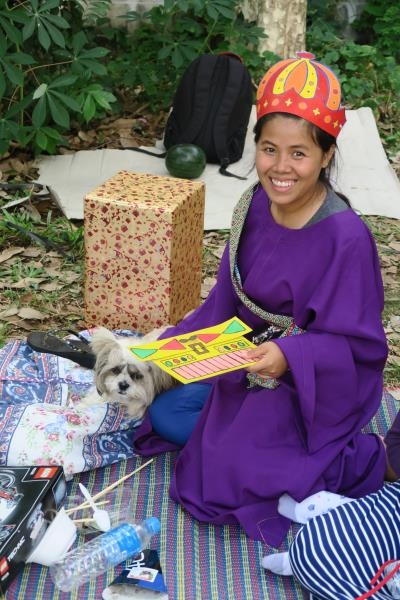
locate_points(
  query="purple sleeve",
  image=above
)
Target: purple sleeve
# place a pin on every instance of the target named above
(336, 366)
(221, 304)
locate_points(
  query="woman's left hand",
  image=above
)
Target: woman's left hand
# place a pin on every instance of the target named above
(271, 360)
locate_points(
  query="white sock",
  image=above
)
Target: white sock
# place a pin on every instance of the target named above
(278, 563)
(317, 504)
(287, 507)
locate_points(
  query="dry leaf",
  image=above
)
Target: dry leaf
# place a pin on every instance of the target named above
(20, 323)
(127, 139)
(394, 360)
(52, 272)
(120, 124)
(86, 136)
(10, 252)
(51, 287)
(9, 312)
(395, 246)
(32, 252)
(395, 322)
(70, 276)
(31, 313)
(17, 165)
(206, 286)
(34, 213)
(26, 282)
(218, 252)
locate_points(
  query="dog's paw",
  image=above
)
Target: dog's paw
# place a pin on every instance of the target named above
(92, 398)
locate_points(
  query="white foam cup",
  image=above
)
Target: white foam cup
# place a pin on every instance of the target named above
(58, 538)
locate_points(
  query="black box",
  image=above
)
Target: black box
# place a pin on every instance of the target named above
(29, 500)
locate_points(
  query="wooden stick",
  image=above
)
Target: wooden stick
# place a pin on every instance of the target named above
(83, 520)
(113, 485)
(85, 505)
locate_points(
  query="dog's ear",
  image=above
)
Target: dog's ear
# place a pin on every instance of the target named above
(103, 339)
(161, 379)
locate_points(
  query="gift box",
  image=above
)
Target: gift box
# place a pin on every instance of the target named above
(143, 251)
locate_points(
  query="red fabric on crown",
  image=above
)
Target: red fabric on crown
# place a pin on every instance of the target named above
(304, 87)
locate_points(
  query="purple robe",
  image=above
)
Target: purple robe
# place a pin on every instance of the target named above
(252, 445)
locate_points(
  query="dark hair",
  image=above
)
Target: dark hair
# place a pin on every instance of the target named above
(322, 138)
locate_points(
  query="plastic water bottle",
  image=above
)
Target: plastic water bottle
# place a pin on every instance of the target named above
(106, 551)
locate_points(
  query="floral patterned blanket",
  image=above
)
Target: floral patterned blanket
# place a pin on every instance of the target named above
(42, 421)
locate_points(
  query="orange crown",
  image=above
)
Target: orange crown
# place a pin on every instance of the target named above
(304, 87)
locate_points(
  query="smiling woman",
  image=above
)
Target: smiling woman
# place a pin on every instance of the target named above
(289, 163)
(299, 263)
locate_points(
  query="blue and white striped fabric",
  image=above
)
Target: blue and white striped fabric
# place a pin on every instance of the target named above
(336, 555)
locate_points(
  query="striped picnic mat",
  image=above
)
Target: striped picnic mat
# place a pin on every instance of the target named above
(199, 561)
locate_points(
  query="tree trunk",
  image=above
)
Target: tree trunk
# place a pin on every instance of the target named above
(284, 22)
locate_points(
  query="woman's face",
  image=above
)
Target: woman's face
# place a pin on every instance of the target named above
(288, 162)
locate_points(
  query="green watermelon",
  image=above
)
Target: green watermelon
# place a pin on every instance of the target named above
(186, 161)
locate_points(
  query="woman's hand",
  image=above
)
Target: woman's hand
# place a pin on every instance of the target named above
(271, 360)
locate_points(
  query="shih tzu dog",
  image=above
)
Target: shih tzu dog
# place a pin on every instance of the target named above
(120, 378)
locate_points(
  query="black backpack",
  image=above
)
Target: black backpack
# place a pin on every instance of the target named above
(211, 108)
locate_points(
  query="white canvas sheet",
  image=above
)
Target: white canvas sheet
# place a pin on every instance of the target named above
(363, 173)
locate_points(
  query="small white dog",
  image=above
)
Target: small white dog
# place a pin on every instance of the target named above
(121, 378)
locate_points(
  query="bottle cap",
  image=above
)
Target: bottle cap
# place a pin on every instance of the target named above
(59, 536)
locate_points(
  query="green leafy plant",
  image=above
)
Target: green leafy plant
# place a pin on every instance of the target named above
(168, 37)
(50, 72)
(368, 77)
(379, 25)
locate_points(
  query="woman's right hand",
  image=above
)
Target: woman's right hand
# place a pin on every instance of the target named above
(270, 360)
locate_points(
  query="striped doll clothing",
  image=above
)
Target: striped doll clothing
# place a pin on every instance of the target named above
(335, 555)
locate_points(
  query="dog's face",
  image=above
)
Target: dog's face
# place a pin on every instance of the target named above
(120, 378)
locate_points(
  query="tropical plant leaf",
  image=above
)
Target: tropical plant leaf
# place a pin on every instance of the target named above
(11, 32)
(97, 52)
(43, 37)
(67, 100)
(64, 81)
(52, 133)
(14, 75)
(39, 112)
(3, 84)
(29, 29)
(92, 10)
(41, 139)
(50, 4)
(59, 114)
(40, 91)
(54, 33)
(92, 66)
(89, 108)
(21, 58)
(58, 21)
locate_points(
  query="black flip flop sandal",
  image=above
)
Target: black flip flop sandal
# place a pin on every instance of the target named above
(76, 350)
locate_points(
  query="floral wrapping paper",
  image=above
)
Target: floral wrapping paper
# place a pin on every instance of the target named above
(143, 250)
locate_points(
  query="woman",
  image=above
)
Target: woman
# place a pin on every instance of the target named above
(301, 260)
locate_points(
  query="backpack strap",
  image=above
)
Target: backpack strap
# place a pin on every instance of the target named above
(223, 171)
(203, 80)
(236, 72)
(137, 149)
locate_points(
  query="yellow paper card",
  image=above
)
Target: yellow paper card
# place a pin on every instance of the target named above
(200, 354)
